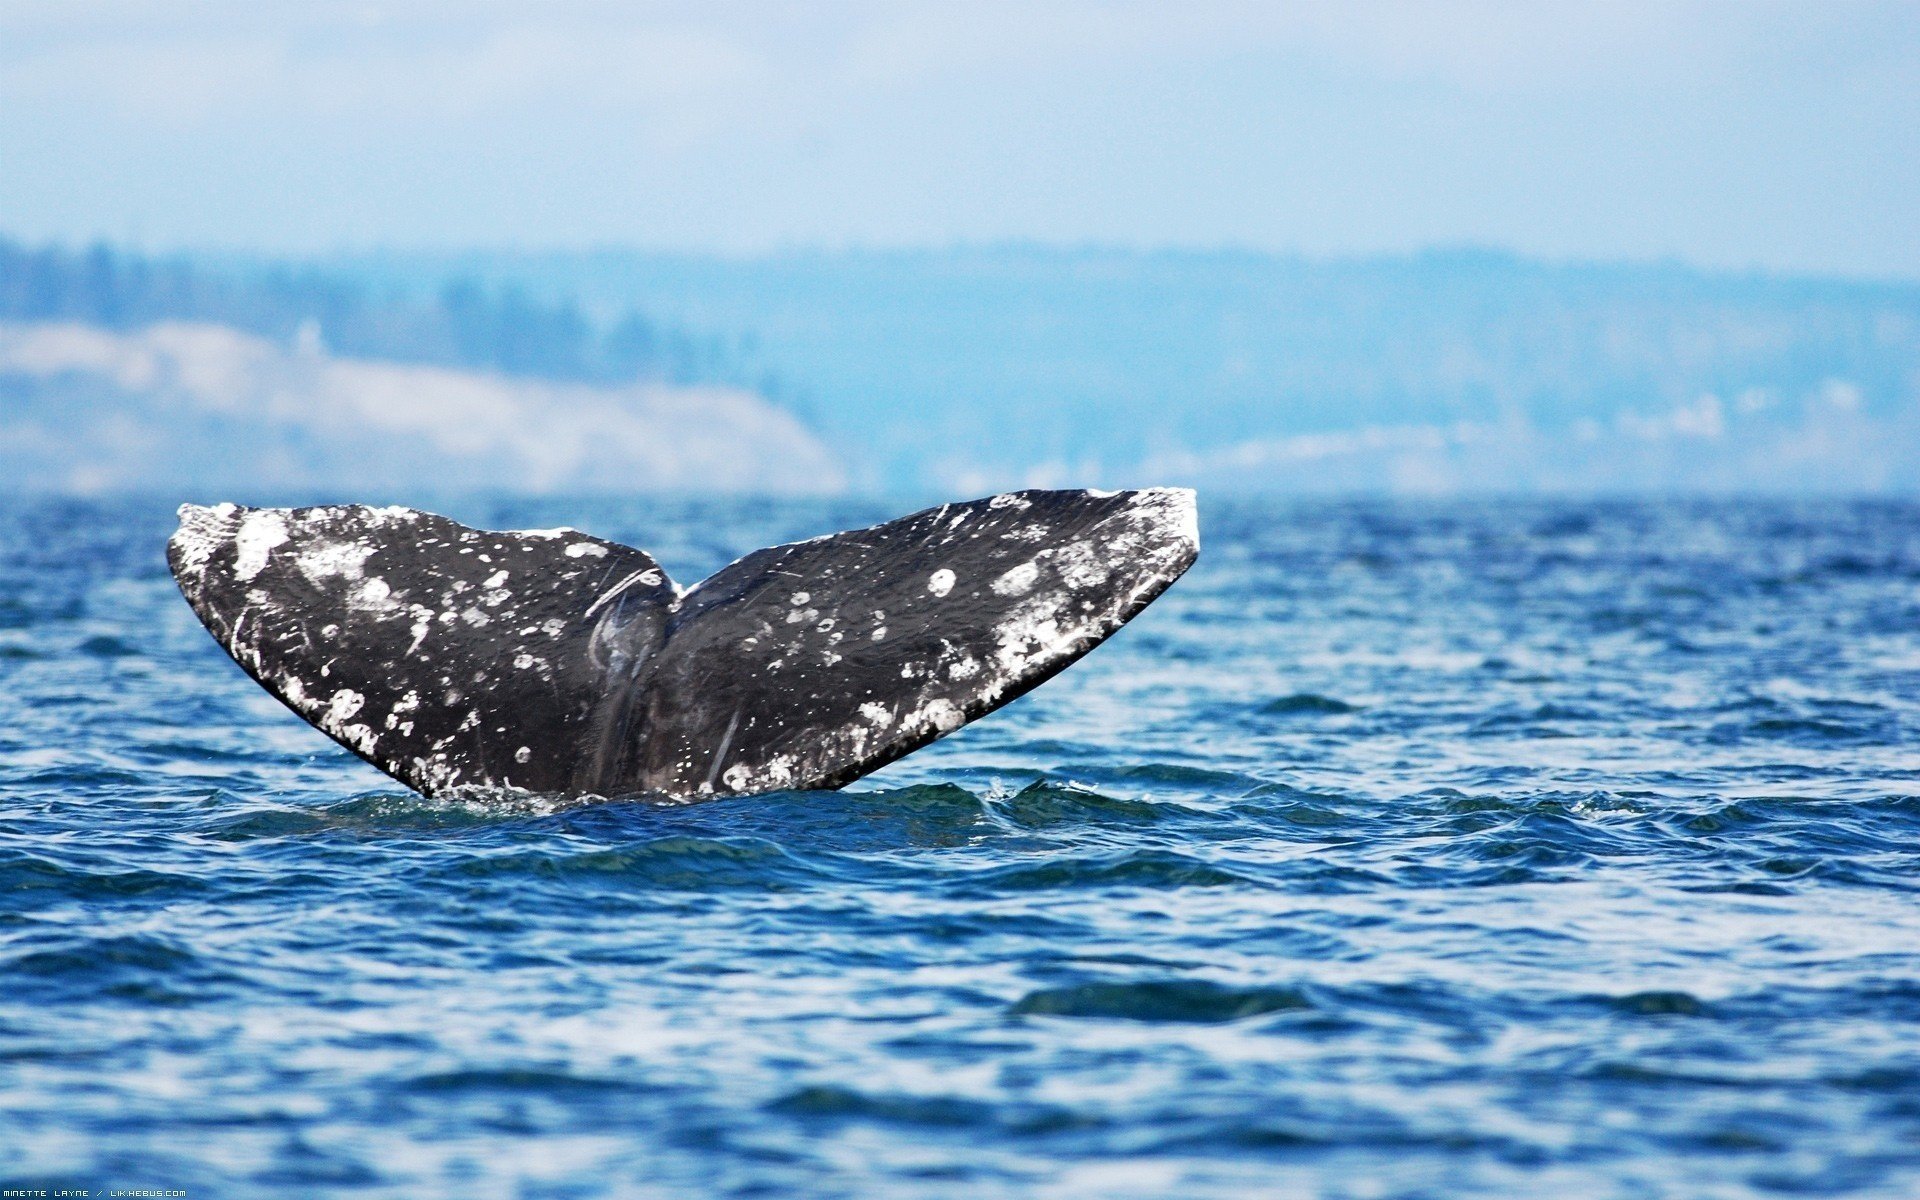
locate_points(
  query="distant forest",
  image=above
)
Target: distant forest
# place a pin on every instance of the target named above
(466, 324)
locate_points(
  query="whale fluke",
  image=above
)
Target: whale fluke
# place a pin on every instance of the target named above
(553, 661)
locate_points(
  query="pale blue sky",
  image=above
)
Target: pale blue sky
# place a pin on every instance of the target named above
(1751, 133)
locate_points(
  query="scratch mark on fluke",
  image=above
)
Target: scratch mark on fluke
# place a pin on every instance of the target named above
(455, 658)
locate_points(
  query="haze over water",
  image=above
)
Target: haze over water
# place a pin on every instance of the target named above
(1401, 849)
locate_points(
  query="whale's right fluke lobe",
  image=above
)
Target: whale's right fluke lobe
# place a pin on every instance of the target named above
(812, 664)
(455, 658)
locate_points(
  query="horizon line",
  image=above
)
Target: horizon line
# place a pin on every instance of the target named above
(1463, 251)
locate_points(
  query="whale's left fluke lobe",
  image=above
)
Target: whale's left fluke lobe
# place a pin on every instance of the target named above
(443, 655)
(552, 661)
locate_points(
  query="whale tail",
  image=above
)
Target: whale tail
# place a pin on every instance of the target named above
(554, 661)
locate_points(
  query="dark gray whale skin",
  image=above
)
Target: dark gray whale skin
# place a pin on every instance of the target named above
(458, 659)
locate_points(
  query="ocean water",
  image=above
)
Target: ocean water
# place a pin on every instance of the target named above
(1401, 849)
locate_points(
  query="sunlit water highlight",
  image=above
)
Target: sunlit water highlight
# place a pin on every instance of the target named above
(1399, 850)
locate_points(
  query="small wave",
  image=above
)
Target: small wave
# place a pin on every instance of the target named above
(107, 646)
(1723, 818)
(1307, 704)
(144, 970)
(833, 1102)
(1180, 775)
(298, 1164)
(675, 863)
(1170, 1001)
(84, 776)
(1540, 721)
(1149, 869)
(531, 1080)
(859, 830)
(1878, 728)
(932, 800)
(1658, 1004)
(381, 813)
(85, 879)
(1284, 805)
(98, 955)
(1892, 1081)
(1046, 803)
(926, 815)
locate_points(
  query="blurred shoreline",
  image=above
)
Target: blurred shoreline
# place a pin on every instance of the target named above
(960, 371)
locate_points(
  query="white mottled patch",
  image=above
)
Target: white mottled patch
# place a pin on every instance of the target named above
(940, 582)
(296, 693)
(372, 596)
(586, 550)
(1032, 633)
(346, 560)
(880, 634)
(1080, 567)
(259, 533)
(1010, 500)
(943, 715)
(800, 599)
(396, 718)
(345, 703)
(201, 532)
(965, 668)
(522, 661)
(422, 623)
(433, 772)
(879, 714)
(1019, 581)
(475, 617)
(497, 579)
(523, 755)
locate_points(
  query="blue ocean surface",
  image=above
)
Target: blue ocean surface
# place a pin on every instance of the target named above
(1401, 849)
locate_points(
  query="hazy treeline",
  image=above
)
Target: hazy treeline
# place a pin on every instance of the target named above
(465, 324)
(990, 363)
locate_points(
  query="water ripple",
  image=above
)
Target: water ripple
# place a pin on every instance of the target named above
(1400, 850)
